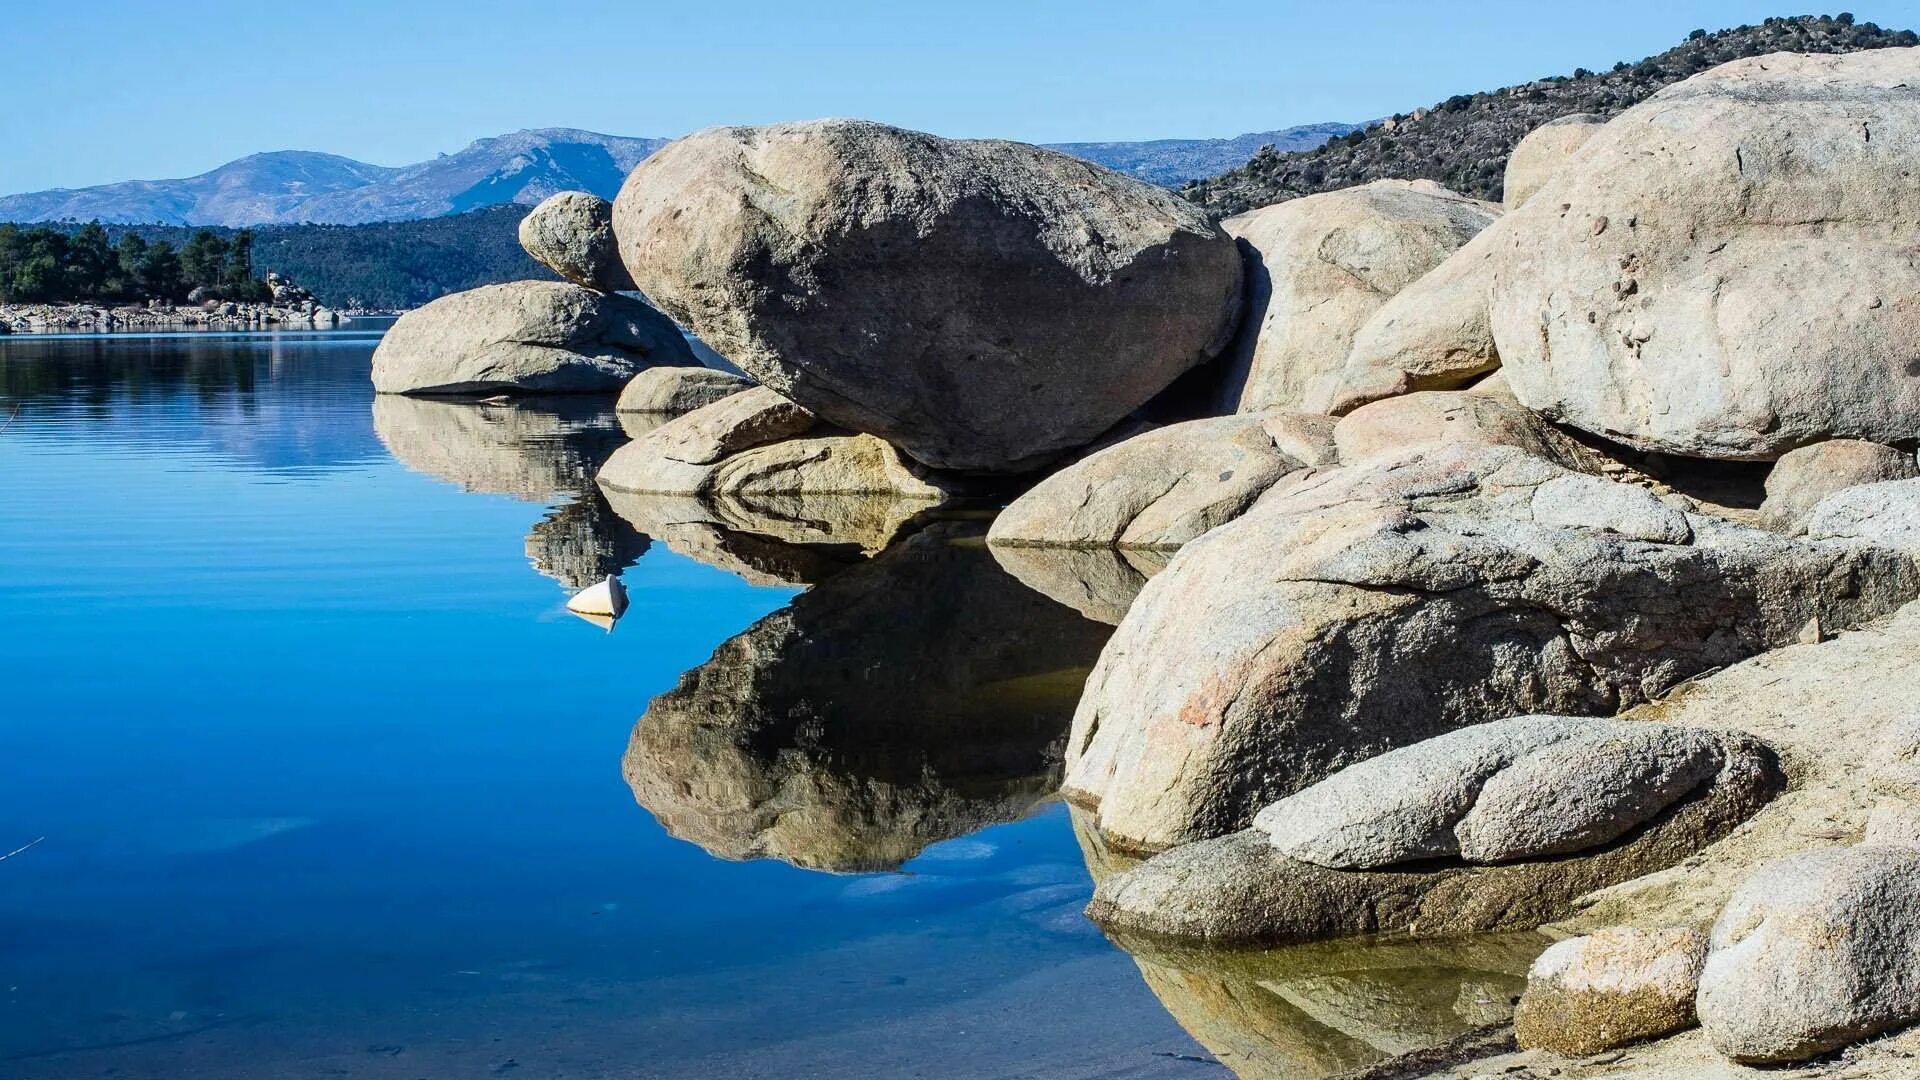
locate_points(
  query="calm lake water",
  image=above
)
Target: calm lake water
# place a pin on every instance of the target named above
(330, 784)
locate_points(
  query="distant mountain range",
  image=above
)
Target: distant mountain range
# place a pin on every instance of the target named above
(293, 186)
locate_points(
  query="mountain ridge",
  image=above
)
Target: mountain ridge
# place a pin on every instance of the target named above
(291, 187)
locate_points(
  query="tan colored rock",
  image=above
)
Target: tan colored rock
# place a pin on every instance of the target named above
(1100, 583)
(1319, 266)
(1611, 988)
(1726, 270)
(983, 305)
(1432, 335)
(776, 539)
(1482, 417)
(1801, 478)
(737, 422)
(1544, 151)
(1274, 649)
(1167, 486)
(571, 234)
(677, 390)
(525, 337)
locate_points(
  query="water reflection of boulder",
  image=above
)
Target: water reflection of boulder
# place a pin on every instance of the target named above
(1326, 1007)
(540, 450)
(772, 539)
(906, 700)
(1099, 583)
(534, 450)
(584, 542)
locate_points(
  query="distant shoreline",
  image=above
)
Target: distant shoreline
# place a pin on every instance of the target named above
(98, 318)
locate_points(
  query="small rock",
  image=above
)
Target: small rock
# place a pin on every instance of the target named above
(572, 234)
(1617, 986)
(1802, 478)
(677, 390)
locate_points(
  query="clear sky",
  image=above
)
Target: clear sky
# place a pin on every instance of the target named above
(108, 90)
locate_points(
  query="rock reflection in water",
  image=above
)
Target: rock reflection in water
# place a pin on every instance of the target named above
(536, 449)
(1099, 583)
(773, 539)
(1314, 1010)
(917, 697)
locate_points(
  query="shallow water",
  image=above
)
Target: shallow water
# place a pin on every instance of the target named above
(331, 784)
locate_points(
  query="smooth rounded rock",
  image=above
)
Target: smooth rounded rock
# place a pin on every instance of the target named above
(1319, 266)
(1726, 270)
(525, 337)
(983, 305)
(1886, 514)
(1815, 951)
(1544, 151)
(571, 234)
(677, 390)
(1803, 477)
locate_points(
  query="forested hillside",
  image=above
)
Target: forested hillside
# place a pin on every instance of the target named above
(394, 264)
(1463, 142)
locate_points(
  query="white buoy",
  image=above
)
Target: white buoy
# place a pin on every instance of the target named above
(607, 600)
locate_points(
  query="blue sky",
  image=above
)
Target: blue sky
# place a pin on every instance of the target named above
(122, 89)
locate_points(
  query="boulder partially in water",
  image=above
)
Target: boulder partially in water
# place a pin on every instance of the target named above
(1100, 583)
(864, 721)
(1319, 266)
(1387, 602)
(1611, 988)
(571, 234)
(525, 337)
(983, 305)
(672, 391)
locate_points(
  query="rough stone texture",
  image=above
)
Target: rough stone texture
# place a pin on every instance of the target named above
(1237, 890)
(737, 422)
(1540, 156)
(775, 539)
(1480, 416)
(816, 465)
(571, 234)
(1432, 335)
(1817, 950)
(1896, 767)
(1167, 486)
(1726, 270)
(1803, 477)
(982, 305)
(527, 337)
(824, 736)
(676, 390)
(1497, 792)
(1611, 988)
(1318, 267)
(1277, 648)
(1887, 514)
(1895, 822)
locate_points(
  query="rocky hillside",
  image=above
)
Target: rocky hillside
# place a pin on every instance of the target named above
(1463, 142)
(1170, 162)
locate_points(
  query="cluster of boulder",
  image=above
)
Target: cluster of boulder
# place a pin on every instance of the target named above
(1427, 524)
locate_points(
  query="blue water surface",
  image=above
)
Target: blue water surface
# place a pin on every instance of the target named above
(330, 784)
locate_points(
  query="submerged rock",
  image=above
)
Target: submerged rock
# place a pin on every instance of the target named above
(1726, 270)
(863, 722)
(676, 390)
(1611, 988)
(1278, 648)
(1167, 486)
(1817, 950)
(571, 234)
(525, 337)
(1543, 153)
(982, 305)
(1319, 266)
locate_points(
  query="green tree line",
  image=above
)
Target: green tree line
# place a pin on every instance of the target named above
(53, 265)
